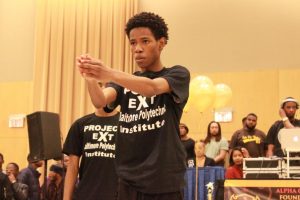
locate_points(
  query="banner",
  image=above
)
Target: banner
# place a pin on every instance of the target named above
(280, 189)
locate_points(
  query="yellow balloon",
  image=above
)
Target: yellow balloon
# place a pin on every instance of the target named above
(187, 106)
(196, 82)
(202, 93)
(223, 95)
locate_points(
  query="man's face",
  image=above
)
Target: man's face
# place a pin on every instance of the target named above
(52, 176)
(214, 129)
(38, 163)
(290, 109)
(145, 48)
(182, 130)
(251, 122)
(11, 169)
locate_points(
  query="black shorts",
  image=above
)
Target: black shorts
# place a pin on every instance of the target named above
(125, 192)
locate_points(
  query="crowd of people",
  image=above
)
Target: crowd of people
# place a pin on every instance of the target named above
(142, 151)
(16, 184)
(247, 142)
(96, 176)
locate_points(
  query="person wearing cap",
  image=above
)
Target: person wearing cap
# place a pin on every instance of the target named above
(187, 142)
(30, 176)
(287, 113)
(55, 183)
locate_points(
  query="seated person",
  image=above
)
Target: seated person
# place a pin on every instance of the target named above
(235, 170)
(200, 159)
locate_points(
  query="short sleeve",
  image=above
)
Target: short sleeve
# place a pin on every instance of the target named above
(224, 144)
(233, 141)
(272, 133)
(179, 79)
(119, 89)
(73, 144)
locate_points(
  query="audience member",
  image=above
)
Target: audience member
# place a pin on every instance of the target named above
(200, 159)
(55, 183)
(30, 177)
(235, 170)
(92, 138)
(20, 190)
(216, 145)
(289, 107)
(187, 142)
(5, 187)
(252, 139)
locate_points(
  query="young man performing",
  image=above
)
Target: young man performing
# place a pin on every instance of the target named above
(150, 159)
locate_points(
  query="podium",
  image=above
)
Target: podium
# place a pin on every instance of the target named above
(207, 180)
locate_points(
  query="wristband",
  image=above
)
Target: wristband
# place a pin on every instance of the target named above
(284, 119)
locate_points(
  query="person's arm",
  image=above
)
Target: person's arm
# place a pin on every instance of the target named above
(100, 97)
(270, 151)
(224, 146)
(71, 177)
(91, 68)
(221, 156)
(245, 152)
(20, 190)
(285, 119)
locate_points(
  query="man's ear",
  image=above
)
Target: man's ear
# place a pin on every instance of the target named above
(162, 43)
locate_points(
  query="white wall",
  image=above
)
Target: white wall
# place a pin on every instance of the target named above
(16, 40)
(231, 35)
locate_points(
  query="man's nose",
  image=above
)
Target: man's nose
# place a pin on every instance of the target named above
(138, 48)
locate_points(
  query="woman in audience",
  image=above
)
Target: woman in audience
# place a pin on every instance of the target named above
(200, 159)
(235, 170)
(216, 145)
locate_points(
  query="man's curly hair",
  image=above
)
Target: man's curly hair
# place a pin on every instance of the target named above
(149, 20)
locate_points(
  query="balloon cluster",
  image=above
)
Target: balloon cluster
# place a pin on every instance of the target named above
(204, 94)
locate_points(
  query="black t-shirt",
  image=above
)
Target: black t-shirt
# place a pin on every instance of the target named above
(272, 136)
(252, 140)
(189, 145)
(149, 154)
(93, 139)
(6, 191)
